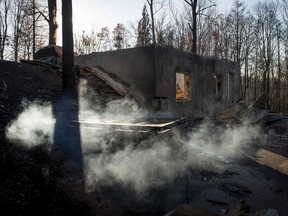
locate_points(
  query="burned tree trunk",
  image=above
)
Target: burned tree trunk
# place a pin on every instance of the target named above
(52, 7)
(193, 27)
(150, 2)
(66, 131)
(197, 10)
(68, 53)
(34, 29)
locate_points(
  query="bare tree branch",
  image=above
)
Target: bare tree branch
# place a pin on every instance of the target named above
(43, 15)
(202, 9)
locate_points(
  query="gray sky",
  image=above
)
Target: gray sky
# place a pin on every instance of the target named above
(95, 14)
(101, 13)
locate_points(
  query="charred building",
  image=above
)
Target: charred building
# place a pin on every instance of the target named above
(181, 83)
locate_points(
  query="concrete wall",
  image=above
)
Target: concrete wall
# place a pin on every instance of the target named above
(204, 100)
(151, 71)
(134, 66)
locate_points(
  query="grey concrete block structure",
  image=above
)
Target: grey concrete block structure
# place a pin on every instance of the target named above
(183, 83)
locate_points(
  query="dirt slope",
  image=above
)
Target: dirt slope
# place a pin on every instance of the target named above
(33, 182)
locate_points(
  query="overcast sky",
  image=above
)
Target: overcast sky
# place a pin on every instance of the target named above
(89, 14)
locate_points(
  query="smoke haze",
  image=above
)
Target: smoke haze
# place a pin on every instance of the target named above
(112, 158)
(34, 126)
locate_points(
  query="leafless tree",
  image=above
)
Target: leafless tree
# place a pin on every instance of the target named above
(104, 39)
(197, 9)
(152, 4)
(242, 39)
(52, 7)
(5, 6)
(249, 44)
(17, 22)
(51, 19)
(236, 19)
(266, 25)
(176, 27)
(284, 6)
(27, 30)
(87, 42)
(38, 11)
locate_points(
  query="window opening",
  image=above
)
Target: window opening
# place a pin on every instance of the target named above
(218, 84)
(183, 86)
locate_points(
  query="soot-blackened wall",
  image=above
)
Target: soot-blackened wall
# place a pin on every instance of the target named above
(151, 72)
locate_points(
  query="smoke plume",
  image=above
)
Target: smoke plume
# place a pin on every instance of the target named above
(33, 126)
(114, 158)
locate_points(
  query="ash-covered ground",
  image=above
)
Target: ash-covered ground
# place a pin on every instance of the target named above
(209, 165)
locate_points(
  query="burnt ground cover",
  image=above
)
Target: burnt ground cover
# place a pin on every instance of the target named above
(34, 181)
(25, 188)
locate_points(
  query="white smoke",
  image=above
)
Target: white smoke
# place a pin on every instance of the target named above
(210, 147)
(124, 109)
(139, 168)
(136, 163)
(34, 126)
(142, 168)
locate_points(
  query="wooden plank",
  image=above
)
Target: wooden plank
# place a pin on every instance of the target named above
(134, 124)
(117, 86)
(234, 112)
(273, 160)
(226, 114)
(163, 126)
(241, 111)
(259, 102)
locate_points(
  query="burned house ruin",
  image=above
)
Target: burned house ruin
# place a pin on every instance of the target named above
(168, 80)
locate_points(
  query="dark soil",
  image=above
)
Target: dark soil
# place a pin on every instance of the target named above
(43, 181)
(35, 181)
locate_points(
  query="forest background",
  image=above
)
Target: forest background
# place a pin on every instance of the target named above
(255, 36)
